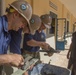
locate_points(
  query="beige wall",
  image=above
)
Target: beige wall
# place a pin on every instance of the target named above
(42, 7)
(60, 15)
(73, 21)
(7, 2)
(63, 12)
(51, 9)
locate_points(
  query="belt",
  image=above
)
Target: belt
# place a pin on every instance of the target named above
(28, 52)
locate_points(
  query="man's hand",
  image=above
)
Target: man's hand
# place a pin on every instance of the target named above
(50, 51)
(45, 46)
(16, 60)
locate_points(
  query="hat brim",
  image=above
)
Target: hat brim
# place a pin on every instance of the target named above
(47, 26)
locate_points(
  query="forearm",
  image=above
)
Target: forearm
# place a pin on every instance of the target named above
(4, 59)
(35, 43)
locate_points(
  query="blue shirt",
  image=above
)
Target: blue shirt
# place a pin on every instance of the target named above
(27, 37)
(15, 41)
(7, 38)
(4, 35)
(38, 37)
(36, 70)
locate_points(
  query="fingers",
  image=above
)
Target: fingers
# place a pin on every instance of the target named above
(26, 73)
(17, 60)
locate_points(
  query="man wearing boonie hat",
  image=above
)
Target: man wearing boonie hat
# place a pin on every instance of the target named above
(32, 42)
(18, 15)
